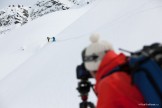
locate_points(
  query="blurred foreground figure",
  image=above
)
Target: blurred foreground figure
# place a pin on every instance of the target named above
(115, 90)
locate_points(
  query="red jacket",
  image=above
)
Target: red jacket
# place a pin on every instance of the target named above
(116, 91)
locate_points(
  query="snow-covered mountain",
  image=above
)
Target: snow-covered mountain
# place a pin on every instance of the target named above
(13, 16)
(16, 15)
(38, 74)
(44, 7)
(80, 3)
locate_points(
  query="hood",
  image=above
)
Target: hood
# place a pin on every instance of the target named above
(109, 62)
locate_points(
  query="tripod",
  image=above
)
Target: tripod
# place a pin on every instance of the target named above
(84, 88)
(85, 103)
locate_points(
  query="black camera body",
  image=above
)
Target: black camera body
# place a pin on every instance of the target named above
(82, 73)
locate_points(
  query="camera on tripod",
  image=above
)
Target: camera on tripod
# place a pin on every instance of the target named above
(84, 86)
(82, 73)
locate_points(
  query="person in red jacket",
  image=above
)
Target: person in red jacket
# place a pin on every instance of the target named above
(116, 90)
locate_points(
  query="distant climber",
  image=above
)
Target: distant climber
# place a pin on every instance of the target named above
(48, 38)
(53, 39)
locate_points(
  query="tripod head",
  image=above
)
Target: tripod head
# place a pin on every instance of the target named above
(84, 88)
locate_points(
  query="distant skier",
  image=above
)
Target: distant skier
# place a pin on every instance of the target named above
(48, 38)
(53, 39)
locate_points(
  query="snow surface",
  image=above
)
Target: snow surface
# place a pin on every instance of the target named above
(37, 74)
(22, 38)
(28, 42)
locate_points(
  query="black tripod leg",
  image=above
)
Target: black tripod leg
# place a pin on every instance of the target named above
(91, 105)
(87, 105)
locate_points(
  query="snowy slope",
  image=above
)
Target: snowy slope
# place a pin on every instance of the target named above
(21, 38)
(45, 73)
(128, 24)
(32, 43)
